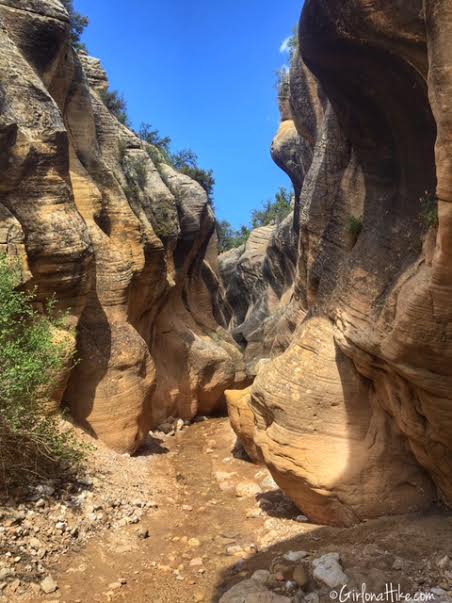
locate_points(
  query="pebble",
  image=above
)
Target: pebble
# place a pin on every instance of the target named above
(48, 585)
(295, 555)
(398, 564)
(233, 549)
(443, 562)
(253, 514)
(327, 570)
(193, 542)
(244, 489)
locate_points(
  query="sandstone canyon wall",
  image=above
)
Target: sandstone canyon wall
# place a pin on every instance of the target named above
(354, 417)
(127, 245)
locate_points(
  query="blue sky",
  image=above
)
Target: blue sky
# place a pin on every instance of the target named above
(203, 73)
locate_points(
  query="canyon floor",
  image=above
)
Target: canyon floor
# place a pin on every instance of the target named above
(216, 518)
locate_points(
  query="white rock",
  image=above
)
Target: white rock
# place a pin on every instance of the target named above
(295, 555)
(269, 483)
(443, 562)
(45, 490)
(48, 585)
(301, 518)
(328, 570)
(247, 489)
(234, 549)
(250, 591)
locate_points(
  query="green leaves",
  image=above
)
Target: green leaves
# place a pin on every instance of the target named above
(273, 212)
(229, 238)
(32, 361)
(78, 24)
(116, 104)
(184, 161)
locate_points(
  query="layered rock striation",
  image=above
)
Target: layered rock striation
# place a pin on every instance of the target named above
(258, 279)
(125, 243)
(354, 417)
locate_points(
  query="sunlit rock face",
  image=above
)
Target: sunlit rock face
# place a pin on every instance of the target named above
(354, 418)
(127, 246)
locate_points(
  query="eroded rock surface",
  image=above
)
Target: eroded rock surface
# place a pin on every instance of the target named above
(125, 244)
(258, 280)
(354, 418)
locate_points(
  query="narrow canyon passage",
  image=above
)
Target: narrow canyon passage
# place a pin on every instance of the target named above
(208, 517)
(216, 519)
(133, 315)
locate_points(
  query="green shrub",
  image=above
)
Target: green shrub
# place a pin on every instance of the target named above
(184, 161)
(156, 155)
(355, 227)
(116, 104)
(78, 24)
(273, 212)
(429, 210)
(152, 137)
(229, 238)
(203, 177)
(32, 362)
(138, 166)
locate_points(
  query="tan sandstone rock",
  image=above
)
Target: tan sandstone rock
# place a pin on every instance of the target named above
(126, 245)
(354, 417)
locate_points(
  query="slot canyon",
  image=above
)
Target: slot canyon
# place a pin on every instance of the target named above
(267, 423)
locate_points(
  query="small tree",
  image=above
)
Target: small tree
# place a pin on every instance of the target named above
(273, 212)
(186, 162)
(292, 43)
(31, 361)
(229, 238)
(152, 136)
(78, 24)
(185, 159)
(116, 104)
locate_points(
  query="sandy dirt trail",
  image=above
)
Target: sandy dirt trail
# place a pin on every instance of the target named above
(203, 537)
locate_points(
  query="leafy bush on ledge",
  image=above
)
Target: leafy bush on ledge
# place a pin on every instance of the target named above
(78, 24)
(116, 104)
(184, 161)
